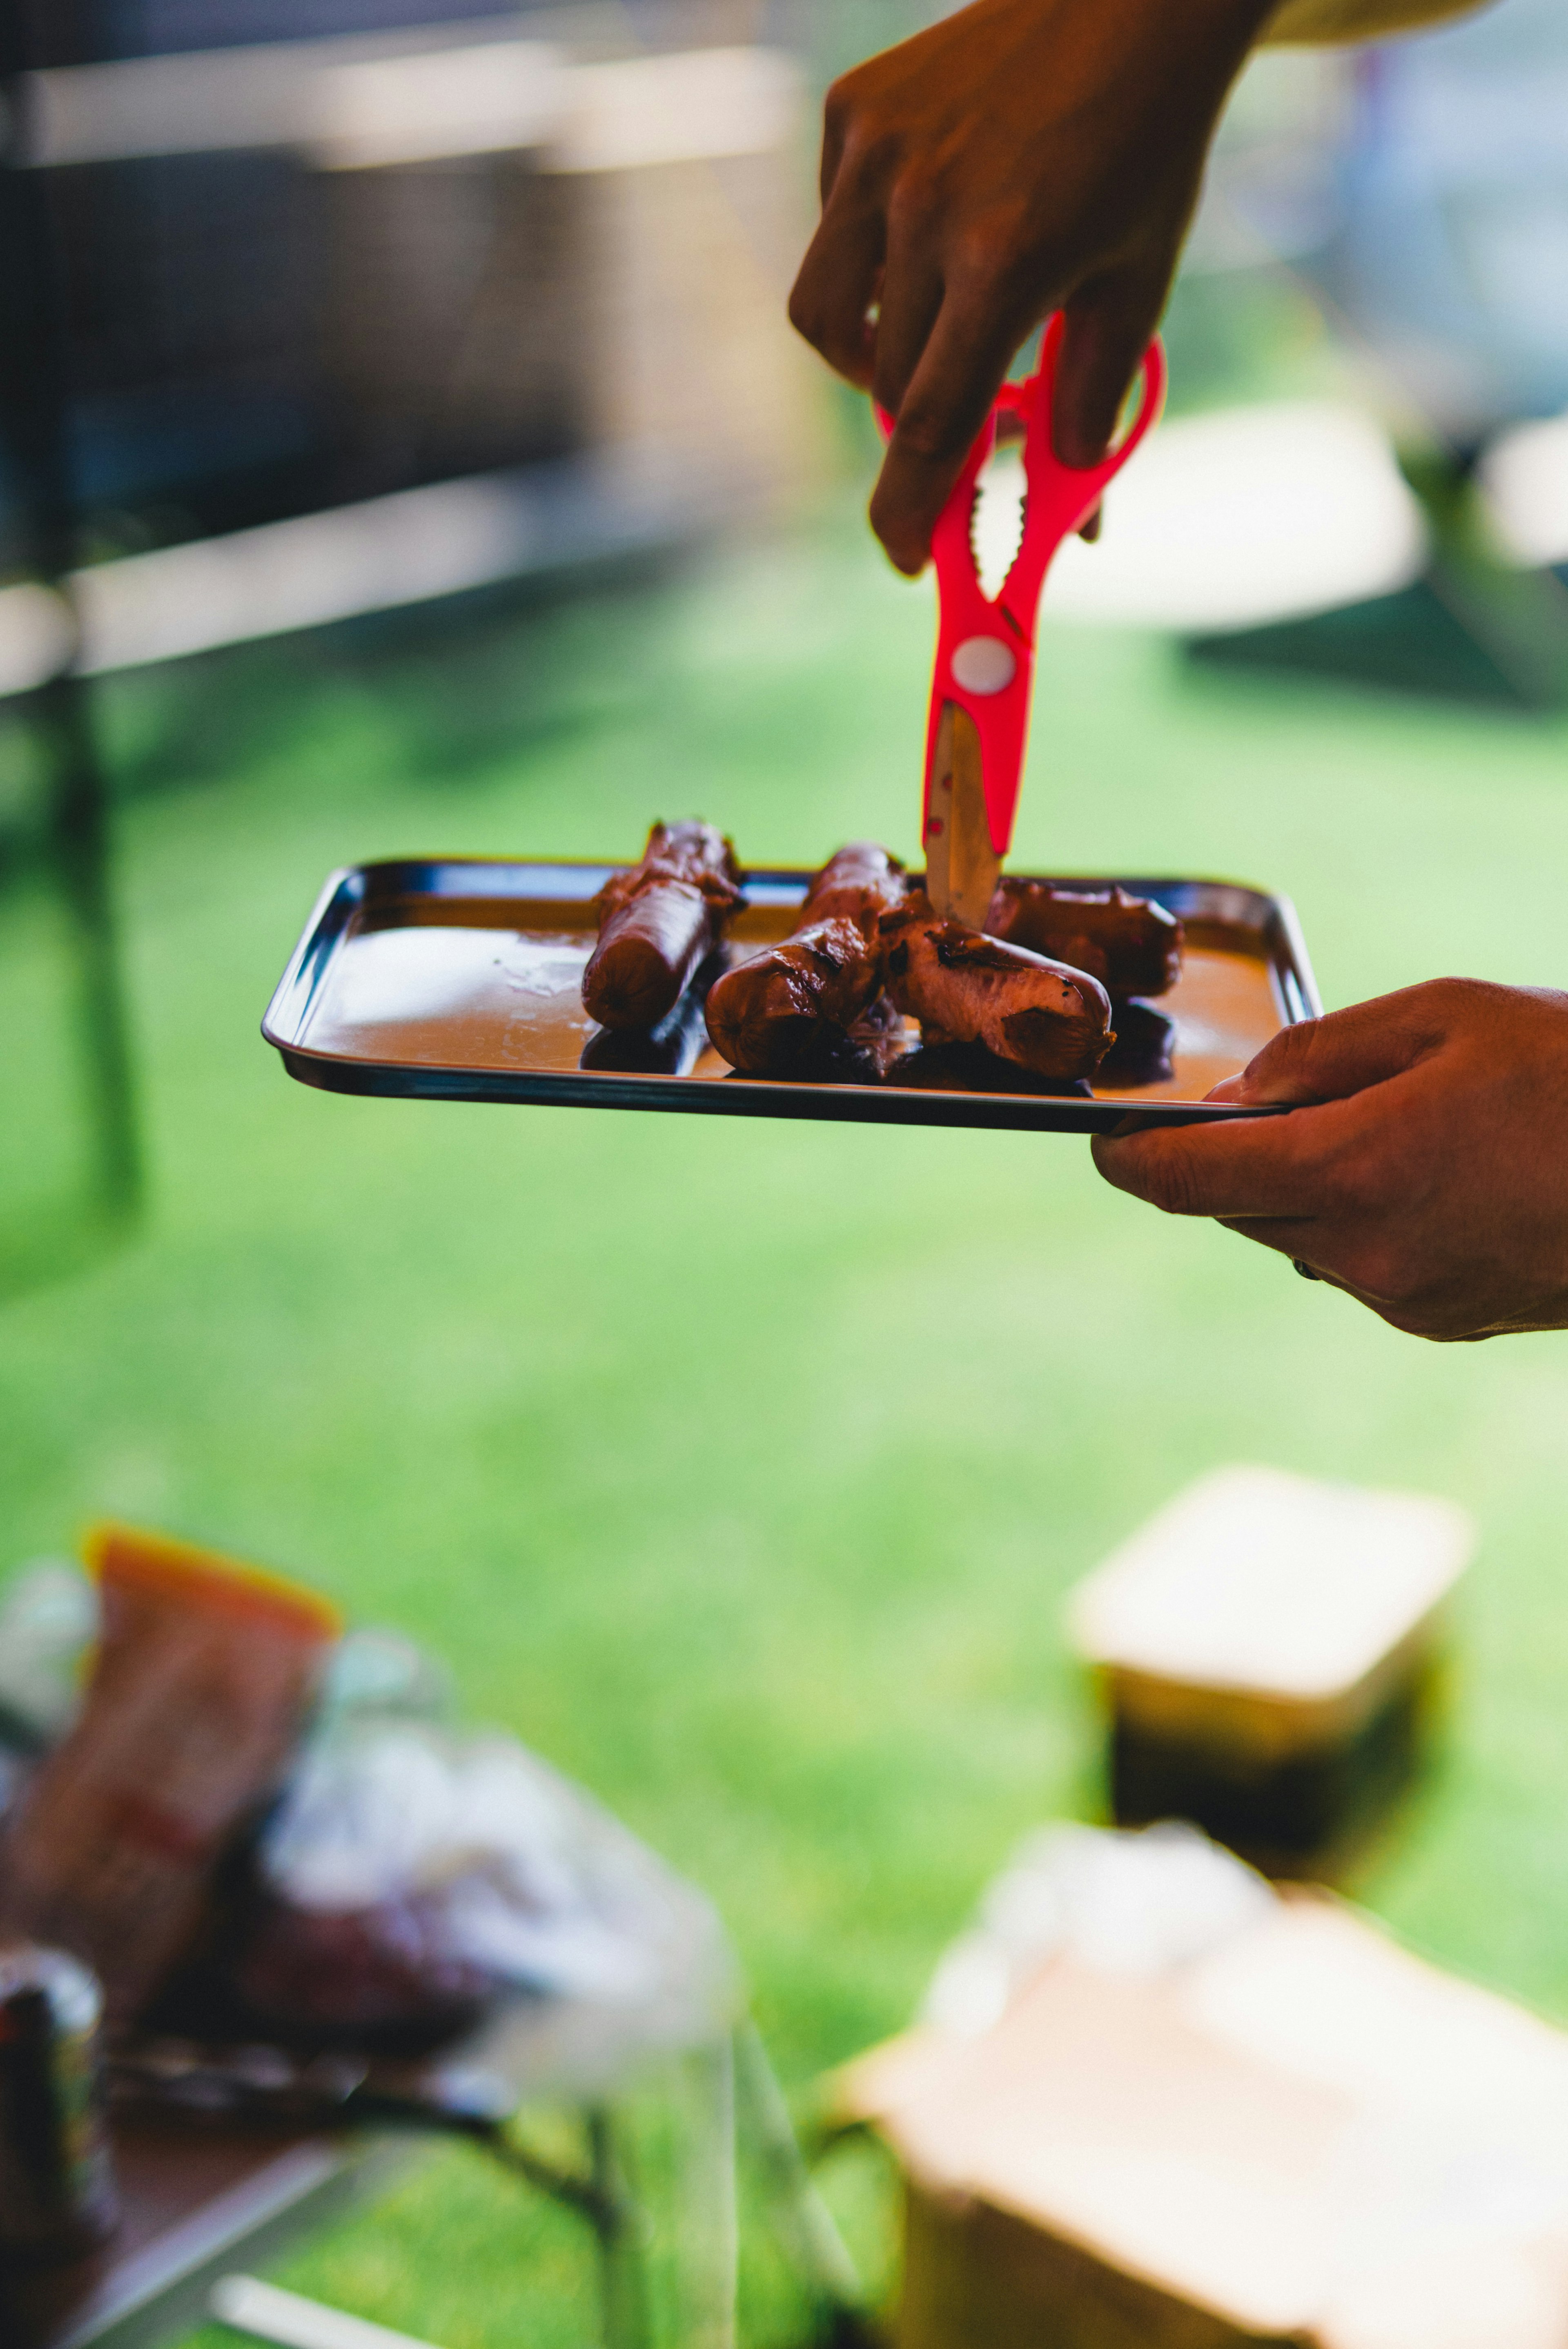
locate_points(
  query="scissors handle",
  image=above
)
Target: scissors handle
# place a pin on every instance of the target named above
(985, 646)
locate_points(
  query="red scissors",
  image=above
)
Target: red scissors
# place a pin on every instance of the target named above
(984, 678)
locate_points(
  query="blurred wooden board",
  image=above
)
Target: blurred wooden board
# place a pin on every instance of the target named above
(1293, 2140)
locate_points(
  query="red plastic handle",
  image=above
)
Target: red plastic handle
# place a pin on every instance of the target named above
(985, 646)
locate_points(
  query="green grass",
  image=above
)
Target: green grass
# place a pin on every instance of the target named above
(741, 1467)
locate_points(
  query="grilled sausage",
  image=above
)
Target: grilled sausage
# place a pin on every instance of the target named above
(968, 988)
(1132, 946)
(658, 923)
(860, 884)
(796, 1001)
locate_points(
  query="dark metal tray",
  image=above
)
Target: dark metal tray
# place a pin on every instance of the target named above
(458, 979)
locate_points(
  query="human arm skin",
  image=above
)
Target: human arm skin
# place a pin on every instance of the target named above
(1423, 1168)
(1020, 156)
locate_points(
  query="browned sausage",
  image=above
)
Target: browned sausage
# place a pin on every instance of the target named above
(860, 884)
(1132, 946)
(799, 1000)
(658, 923)
(968, 989)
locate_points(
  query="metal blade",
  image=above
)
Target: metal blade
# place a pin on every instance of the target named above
(962, 868)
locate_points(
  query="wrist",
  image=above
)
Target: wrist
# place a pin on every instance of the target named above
(1212, 36)
(1192, 52)
(1189, 46)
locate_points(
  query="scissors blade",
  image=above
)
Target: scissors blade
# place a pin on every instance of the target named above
(962, 868)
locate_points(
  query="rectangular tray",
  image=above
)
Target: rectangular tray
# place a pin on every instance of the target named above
(459, 979)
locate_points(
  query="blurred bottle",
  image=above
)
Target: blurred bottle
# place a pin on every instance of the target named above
(57, 2179)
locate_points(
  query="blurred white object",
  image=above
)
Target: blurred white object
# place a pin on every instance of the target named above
(374, 556)
(48, 1622)
(37, 635)
(1257, 1581)
(482, 100)
(632, 112)
(192, 102)
(1135, 1904)
(511, 1869)
(1523, 478)
(252, 2306)
(621, 115)
(392, 551)
(358, 102)
(1247, 516)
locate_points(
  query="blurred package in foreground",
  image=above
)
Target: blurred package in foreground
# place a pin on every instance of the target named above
(1268, 1651)
(1205, 2115)
(203, 1677)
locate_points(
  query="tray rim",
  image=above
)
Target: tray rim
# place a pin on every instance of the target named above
(350, 887)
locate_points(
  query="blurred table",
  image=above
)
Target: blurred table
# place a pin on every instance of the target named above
(202, 2199)
(652, 2072)
(198, 2202)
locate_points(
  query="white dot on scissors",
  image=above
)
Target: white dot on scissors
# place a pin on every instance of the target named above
(985, 665)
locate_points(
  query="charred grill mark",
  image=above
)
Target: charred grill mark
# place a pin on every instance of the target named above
(958, 948)
(773, 1013)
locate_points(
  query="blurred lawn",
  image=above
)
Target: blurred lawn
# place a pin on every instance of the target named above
(741, 1467)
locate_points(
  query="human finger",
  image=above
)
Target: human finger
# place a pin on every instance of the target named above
(961, 370)
(1340, 1053)
(829, 303)
(1230, 1168)
(1104, 337)
(838, 114)
(909, 307)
